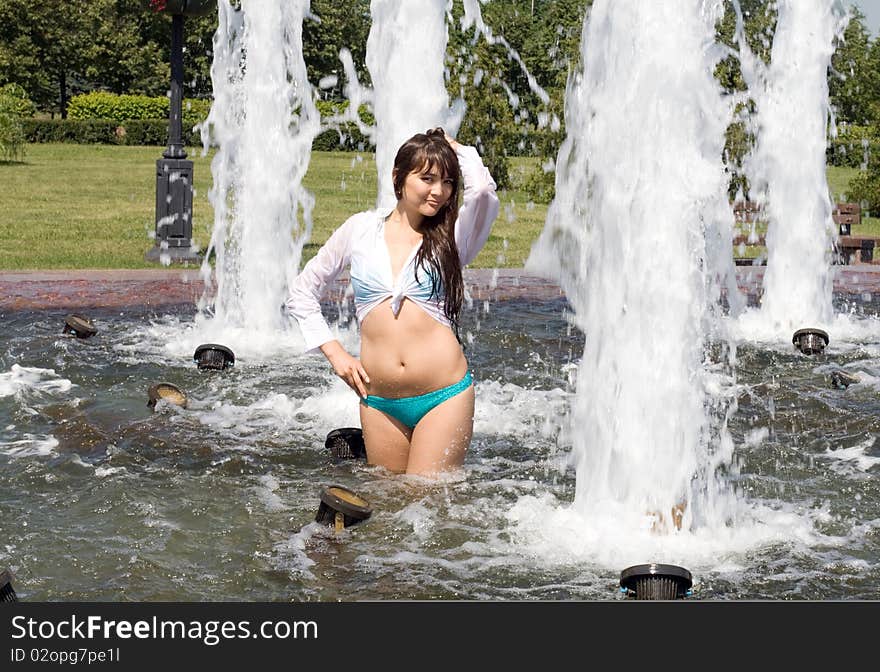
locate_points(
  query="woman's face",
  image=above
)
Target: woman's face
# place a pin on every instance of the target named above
(426, 190)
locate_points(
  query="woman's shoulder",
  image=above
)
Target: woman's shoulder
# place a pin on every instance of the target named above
(364, 220)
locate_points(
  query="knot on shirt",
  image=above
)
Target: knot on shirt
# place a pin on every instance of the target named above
(397, 297)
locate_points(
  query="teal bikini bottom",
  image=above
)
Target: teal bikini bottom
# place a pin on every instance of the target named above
(409, 410)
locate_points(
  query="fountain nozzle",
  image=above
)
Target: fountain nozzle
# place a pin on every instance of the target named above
(213, 356)
(346, 443)
(166, 392)
(656, 582)
(340, 507)
(7, 594)
(810, 341)
(79, 325)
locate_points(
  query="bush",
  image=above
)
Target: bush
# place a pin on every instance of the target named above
(82, 131)
(125, 108)
(12, 138)
(851, 144)
(540, 185)
(347, 137)
(15, 98)
(155, 132)
(864, 188)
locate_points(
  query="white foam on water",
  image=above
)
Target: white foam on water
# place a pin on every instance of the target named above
(267, 493)
(30, 445)
(614, 536)
(846, 332)
(105, 472)
(317, 411)
(177, 340)
(853, 459)
(292, 552)
(508, 409)
(20, 380)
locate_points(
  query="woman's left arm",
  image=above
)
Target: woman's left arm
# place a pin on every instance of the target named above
(479, 207)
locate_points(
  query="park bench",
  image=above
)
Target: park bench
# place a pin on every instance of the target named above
(846, 216)
(848, 248)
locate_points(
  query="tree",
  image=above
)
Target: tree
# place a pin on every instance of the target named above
(56, 49)
(872, 83)
(849, 85)
(45, 47)
(504, 115)
(335, 24)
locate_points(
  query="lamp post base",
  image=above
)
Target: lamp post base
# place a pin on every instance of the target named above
(172, 255)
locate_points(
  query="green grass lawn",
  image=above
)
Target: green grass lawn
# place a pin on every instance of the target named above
(70, 206)
(73, 206)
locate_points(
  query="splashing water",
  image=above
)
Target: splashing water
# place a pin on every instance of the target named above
(787, 166)
(635, 236)
(263, 122)
(406, 55)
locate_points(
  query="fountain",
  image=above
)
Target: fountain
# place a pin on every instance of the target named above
(596, 413)
(407, 99)
(639, 214)
(786, 170)
(263, 121)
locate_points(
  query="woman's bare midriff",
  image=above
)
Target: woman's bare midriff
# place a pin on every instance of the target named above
(410, 353)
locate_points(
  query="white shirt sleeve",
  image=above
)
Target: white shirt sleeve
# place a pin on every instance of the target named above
(479, 207)
(307, 289)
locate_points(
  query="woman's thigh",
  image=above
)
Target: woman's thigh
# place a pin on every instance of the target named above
(386, 439)
(443, 435)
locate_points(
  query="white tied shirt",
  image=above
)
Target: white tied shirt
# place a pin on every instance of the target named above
(360, 244)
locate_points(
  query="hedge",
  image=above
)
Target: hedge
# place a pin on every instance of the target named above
(124, 108)
(107, 118)
(103, 131)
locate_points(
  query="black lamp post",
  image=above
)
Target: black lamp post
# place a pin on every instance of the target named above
(174, 172)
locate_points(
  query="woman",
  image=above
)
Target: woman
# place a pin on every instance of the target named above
(417, 395)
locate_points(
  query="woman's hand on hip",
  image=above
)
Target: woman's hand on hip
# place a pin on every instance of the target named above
(346, 367)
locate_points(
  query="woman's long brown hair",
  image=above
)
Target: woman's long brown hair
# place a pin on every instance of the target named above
(438, 255)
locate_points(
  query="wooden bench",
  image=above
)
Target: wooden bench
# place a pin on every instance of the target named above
(860, 247)
(846, 216)
(848, 249)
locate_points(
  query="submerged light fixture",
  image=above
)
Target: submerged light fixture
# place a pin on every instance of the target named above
(79, 325)
(810, 341)
(166, 392)
(341, 507)
(656, 582)
(7, 594)
(346, 443)
(213, 356)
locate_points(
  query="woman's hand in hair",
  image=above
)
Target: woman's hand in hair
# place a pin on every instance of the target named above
(346, 367)
(440, 130)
